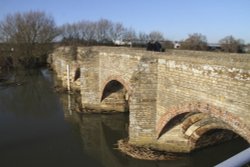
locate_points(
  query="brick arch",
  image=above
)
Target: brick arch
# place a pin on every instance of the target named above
(191, 120)
(196, 134)
(237, 125)
(126, 85)
(220, 126)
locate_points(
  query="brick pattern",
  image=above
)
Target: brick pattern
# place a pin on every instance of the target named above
(220, 90)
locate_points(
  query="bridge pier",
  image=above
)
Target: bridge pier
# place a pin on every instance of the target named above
(143, 104)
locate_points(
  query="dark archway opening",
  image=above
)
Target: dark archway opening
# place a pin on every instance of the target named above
(115, 96)
(111, 87)
(77, 74)
(173, 122)
(216, 136)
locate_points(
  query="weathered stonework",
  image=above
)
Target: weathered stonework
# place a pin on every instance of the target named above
(174, 98)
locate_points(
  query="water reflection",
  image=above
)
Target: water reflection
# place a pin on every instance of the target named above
(100, 132)
(27, 87)
(33, 131)
(99, 135)
(40, 128)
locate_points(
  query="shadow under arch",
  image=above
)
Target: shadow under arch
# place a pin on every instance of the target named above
(214, 136)
(181, 113)
(173, 122)
(116, 92)
(111, 87)
(77, 74)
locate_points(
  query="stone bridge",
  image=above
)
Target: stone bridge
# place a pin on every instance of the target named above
(177, 100)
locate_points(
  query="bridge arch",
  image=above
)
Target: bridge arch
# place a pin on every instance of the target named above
(119, 79)
(77, 73)
(197, 119)
(119, 86)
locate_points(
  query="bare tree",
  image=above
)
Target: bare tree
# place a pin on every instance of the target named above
(103, 30)
(156, 36)
(88, 31)
(117, 31)
(129, 35)
(8, 29)
(143, 38)
(230, 44)
(195, 41)
(70, 33)
(30, 33)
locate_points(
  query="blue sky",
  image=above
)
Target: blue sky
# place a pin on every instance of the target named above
(174, 18)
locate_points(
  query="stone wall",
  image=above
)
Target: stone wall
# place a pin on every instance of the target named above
(174, 98)
(59, 59)
(89, 77)
(119, 67)
(217, 86)
(143, 103)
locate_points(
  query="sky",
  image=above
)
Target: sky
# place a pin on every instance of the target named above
(176, 19)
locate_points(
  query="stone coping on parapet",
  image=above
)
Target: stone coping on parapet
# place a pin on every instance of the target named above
(233, 60)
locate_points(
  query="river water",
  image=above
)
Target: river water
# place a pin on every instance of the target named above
(38, 129)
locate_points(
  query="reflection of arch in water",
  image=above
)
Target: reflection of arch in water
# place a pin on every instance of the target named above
(112, 156)
(99, 133)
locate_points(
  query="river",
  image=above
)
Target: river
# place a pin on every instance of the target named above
(38, 129)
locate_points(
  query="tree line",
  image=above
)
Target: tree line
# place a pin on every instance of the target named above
(104, 32)
(29, 37)
(198, 41)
